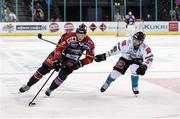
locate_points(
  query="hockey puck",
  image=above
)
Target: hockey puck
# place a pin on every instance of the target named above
(39, 35)
(32, 103)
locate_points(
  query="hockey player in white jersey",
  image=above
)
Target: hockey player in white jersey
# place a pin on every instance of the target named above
(130, 21)
(135, 53)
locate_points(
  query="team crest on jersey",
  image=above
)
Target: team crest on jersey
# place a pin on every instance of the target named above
(120, 64)
(74, 44)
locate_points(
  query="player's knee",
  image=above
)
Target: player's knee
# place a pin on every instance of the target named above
(44, 69)
(115, 74)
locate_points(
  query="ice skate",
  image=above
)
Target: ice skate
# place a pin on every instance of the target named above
(104, 87)
(24, 88)
(135, 90)
(48, 92)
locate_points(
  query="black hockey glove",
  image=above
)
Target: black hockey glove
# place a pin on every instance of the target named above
(77, 65)
(141, 70)
(100, 57)
(56, 65)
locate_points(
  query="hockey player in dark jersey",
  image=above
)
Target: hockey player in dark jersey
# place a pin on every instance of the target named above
(46, 65)
(65, 58)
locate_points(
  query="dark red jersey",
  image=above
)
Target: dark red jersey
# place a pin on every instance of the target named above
(71, 48)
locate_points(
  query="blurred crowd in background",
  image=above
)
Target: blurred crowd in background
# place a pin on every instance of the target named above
(37, 10)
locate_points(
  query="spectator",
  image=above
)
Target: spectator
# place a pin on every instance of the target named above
(118, 17)
(107, 18)
(165, 16)
(148, 17)
(12, 17)
(130, 21)
(177, 10)
(5, 15)
(172, 13)
(38, 13)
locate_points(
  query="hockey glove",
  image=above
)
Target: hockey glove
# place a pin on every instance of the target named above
(100, 57)
(77, 65)
(86, 47)
(141, 70)
(56, 65)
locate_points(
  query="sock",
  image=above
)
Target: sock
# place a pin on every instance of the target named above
(134, 80)
(109, 80)
(56, 83)
(32, 81)
(35, 78)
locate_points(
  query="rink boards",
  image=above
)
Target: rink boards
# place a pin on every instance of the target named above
(93, 28)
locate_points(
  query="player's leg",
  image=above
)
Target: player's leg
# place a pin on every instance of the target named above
(43, 70)
(119, 69)
(112, 76)
(134, 79)
(35, 78)
(63, 73)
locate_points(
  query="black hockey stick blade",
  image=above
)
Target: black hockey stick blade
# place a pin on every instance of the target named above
(32, 103)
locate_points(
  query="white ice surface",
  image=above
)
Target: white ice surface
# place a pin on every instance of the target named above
(79, 96)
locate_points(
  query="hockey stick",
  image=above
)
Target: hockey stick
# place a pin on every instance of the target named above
(40, 37)
(32, 103)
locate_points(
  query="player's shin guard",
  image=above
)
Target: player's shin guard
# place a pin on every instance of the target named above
(134, 81)
(35, 78)
(113, 75)
(43, 70)
(107, 83)
(55, 84)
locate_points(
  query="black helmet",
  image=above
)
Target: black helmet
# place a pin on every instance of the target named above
(82, 29)
(139, 36)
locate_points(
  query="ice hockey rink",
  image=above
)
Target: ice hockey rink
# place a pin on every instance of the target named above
(79, 96)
